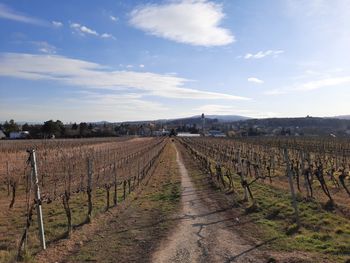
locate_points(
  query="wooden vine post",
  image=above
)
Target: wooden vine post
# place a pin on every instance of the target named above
(89, 191)
(124, 190)
(37, 199)
(8, 178)
(291, 186)
(242, 177)
(115, 197)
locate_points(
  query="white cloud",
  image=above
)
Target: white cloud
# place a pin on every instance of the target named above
(276, 91)
(318, 8)
(106, 35)
(82, 30)
(113, 18)
(214, 109)
(8, 13)
(195, 22)
(86, 106)
(57, 24)
(330, 82)
(87, 75)
(327, 82)
(262, 54)
(127, 106)
(44, 47)
(255, 80)
(141, 66)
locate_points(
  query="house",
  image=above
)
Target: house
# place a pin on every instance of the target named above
(162, 132)
(2, 135)
(216, 133)
(19, 135)
(187, 134)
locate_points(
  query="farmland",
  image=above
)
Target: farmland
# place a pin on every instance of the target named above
(280, 195)
(104, 170)
(262, 175)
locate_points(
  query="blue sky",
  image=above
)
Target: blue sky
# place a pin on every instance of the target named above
(137, 60)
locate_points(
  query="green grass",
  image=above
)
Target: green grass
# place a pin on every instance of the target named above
(55, 222)
(170, 192)
(321, 231)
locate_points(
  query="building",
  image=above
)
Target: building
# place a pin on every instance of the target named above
(187, 134)
(19, 135)
(216, 133)
(162, 132)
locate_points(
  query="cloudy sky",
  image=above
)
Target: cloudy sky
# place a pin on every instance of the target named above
(134, 60)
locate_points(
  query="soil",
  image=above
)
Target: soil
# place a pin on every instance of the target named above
(203, 236)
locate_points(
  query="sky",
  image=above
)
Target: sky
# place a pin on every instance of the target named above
(116, 60)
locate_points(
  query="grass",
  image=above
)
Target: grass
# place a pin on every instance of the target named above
(55, 223)
(170, 192)
(322, 232)
(138, 229)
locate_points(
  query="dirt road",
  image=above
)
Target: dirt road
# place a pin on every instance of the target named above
(205, 234)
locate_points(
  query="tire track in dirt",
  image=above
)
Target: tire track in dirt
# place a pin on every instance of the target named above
(203, 235)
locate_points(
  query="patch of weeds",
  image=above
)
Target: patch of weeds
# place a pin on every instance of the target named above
(7, 256)
(299, 197)
(253, 208)
(271, 260)
(292, 229)
(329, 206)
(273, 213)
(171, 192)
(339, 231)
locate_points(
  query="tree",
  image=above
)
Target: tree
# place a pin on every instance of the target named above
(74, 126)
(83, 129)
(10, 126)
(25, 127)
(172, 133)
(51, 128)
(35, 131)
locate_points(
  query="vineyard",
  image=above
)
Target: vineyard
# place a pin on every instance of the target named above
(306, 161)
(77, 179)
(301, 185)
(297, 190)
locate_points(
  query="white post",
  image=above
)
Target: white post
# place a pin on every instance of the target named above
(37, 199)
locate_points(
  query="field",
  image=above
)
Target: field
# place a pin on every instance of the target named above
(297, 191)
(283, 198)
(77, 179)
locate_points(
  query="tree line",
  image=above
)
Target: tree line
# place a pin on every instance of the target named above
(56, 129)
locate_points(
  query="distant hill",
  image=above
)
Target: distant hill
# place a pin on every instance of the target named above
(227, 118)
(300, 122)
(343, 117)
(308, 125)
(209, 119)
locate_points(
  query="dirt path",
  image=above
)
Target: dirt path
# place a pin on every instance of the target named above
(205, 233)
